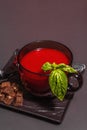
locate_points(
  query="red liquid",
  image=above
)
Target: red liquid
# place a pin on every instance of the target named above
(36, 58)
(33, 61)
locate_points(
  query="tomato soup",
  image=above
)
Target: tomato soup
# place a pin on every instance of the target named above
(34, 60)
(31, 58)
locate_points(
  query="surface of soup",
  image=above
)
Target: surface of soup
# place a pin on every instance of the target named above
(34, 59)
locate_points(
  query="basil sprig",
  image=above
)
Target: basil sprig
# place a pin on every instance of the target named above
(58, 80)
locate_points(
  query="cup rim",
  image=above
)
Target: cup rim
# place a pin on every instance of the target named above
(42, 41)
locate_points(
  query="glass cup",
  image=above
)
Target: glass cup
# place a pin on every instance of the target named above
(37, 83)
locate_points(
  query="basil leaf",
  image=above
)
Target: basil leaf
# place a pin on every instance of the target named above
(66, 68)
(58, 79)
(47, 66)
(58, 83)
(69, 69)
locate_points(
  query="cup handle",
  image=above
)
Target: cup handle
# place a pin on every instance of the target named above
(79, 67)
(75, 81)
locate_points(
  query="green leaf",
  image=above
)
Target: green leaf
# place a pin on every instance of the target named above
(54, 65)
(58, 83)
(47, 66)
(66, 68)
(58, 79)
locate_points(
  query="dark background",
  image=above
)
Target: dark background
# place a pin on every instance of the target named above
(65, 21)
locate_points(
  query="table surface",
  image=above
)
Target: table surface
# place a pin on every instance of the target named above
(28, 20)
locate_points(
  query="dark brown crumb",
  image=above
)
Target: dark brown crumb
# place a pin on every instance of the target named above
(10, 94)
(8, 100)
(19, 99)
(5, 84)
(2, 97)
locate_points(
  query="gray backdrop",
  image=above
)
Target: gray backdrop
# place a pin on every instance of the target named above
(65, 21)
